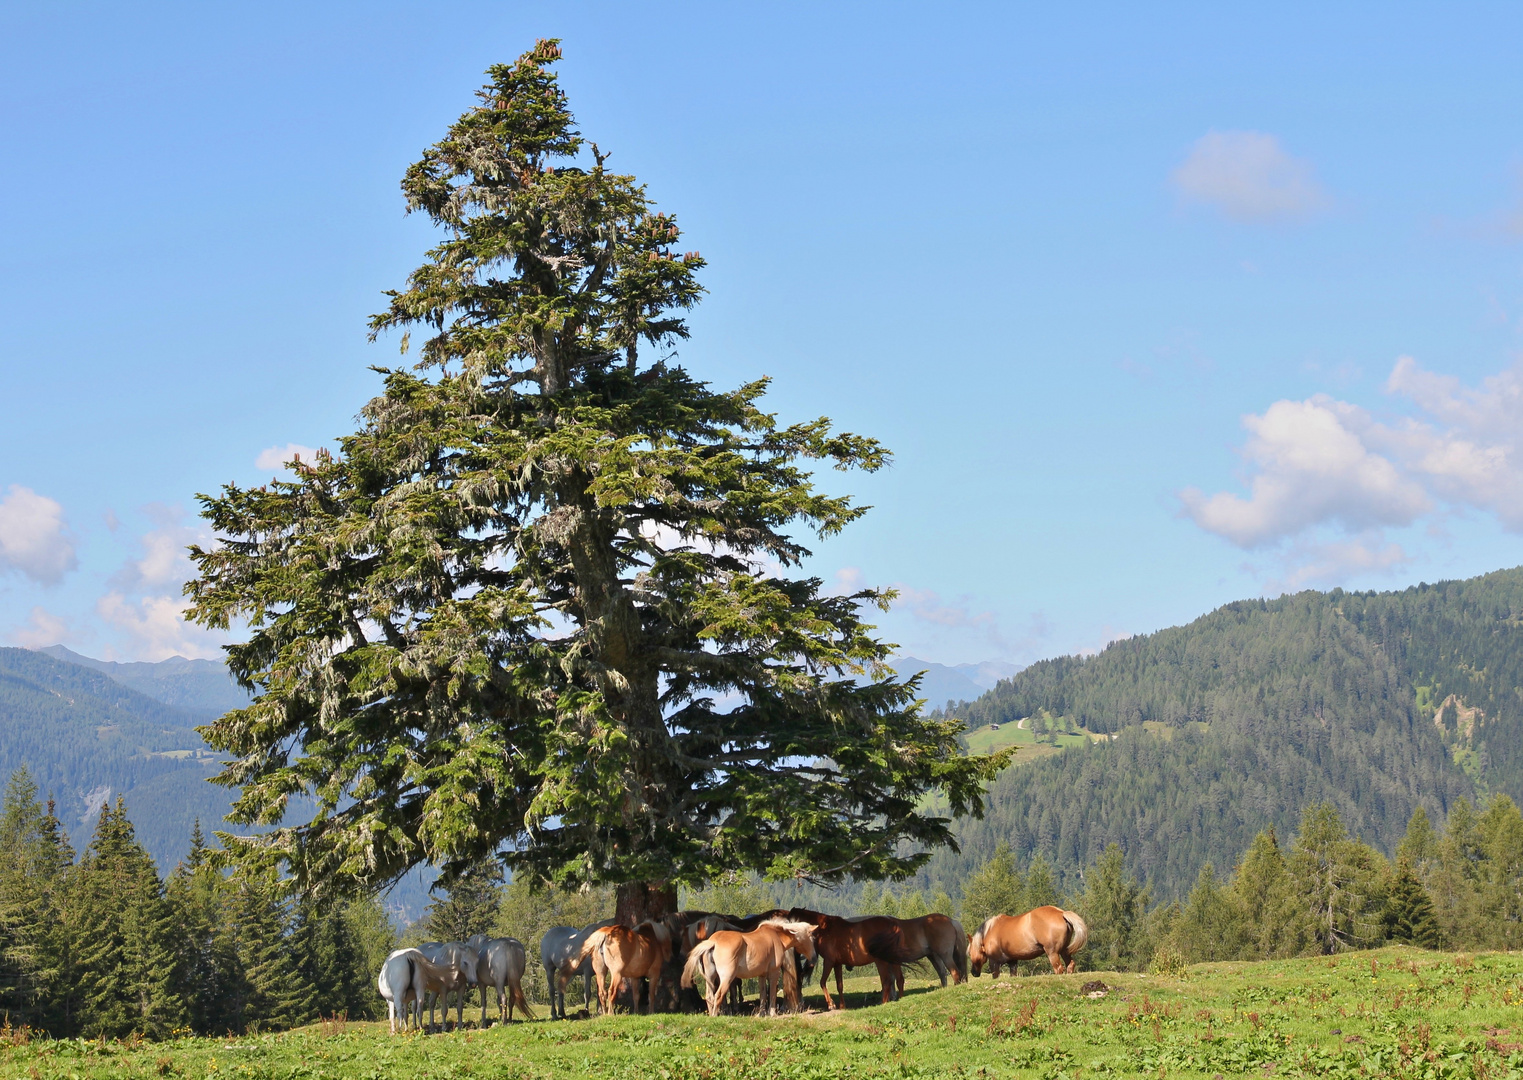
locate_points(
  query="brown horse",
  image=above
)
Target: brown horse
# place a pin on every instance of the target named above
(842, 943)
(619, 953)
(935, 937)
(1006, 939)
(765, 954)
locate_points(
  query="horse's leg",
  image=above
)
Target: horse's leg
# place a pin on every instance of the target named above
(886, 980)
(898, 982)
(1055, 958)
(940, 965)
(725, 978)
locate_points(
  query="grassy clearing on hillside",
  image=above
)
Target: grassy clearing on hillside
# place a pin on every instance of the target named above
(1396, 1012)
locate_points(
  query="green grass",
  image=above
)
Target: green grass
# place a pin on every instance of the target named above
(1397, 1012)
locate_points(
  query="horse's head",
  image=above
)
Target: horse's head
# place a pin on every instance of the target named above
(976, 955)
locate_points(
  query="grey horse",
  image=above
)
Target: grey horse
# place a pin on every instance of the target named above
(462, 959)
(558, 952)
(503, 962)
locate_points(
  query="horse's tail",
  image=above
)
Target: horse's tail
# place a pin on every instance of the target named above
(1078, 931)
(523, 1002)
(694, 959)
(960, 951)
(590, 944)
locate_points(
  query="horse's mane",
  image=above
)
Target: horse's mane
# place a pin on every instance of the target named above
(986, 926)
(791, 926)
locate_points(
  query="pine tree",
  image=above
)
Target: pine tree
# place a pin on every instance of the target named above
(32, 874)
(1113, 905)
(469, 904)
(503, 616)
(331, 958)
(1041, 884)
(1409, 916)
(997, 889)
(209, 970)
(1210, 925)
(274, 993)
(1263, 891)
(126, 950)
(1338, 879)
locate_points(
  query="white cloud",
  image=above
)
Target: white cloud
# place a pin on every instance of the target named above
(154, 627)
(34, 538)
(165, 560)
(1323, 465)
(1248, 176)
(1312, 467)
(1309, 563)
(42, 628)
(276, 457)
(1471, 455)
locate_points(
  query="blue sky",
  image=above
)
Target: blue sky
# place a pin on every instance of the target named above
(1127, 288)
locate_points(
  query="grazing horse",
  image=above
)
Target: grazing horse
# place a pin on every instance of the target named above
(937, 938)
(1006, 939)
(503, 961)
(763, 954)
(460, 958)
(619, 953)
(407, 977)
(401, 984)
(842, 943)
(560, 955)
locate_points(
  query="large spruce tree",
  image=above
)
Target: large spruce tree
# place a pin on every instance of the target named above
(538, 603)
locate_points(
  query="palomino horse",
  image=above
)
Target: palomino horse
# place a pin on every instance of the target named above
(407, 977)
(1006, 939)
(937, 938)
(619, 953)
(763, 954)
(560, 955)
(842, 943)
(503, 961)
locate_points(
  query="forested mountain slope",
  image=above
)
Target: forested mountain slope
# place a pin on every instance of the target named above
(1375, 702)
(86, 737)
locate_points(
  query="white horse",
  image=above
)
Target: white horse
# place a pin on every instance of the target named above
(463, 961)
(406, 978)
(559, 950)
(401, 984)
(503, 962)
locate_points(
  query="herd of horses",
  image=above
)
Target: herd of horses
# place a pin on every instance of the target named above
(700, 959)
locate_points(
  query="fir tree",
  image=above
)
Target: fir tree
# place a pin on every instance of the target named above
(1276, 924)
(469, 904)
(126, 950)
(1409, 916)
(1210, 925)
(331, 959)
(209, 969)
(1113, 905)
(503, 616)
(996, 889)
(36, 856)
(273, 991)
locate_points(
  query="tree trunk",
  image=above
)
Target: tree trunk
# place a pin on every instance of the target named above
(641, 900)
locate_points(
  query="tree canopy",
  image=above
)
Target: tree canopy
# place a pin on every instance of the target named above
(538, 603)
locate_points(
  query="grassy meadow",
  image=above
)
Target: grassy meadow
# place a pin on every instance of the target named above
(1397, 1012)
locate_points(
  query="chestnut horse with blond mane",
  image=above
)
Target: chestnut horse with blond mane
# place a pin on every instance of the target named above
(1006, 939)
(764, 954)
(619, 953)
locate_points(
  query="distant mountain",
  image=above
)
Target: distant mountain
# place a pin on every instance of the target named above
(941, 683)
(89, 730)
(86, 738)
(1376, 702)
(197, 686)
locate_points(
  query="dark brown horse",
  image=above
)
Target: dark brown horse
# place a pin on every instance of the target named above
(1006, 939)
(935, 937)
(843, 943)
